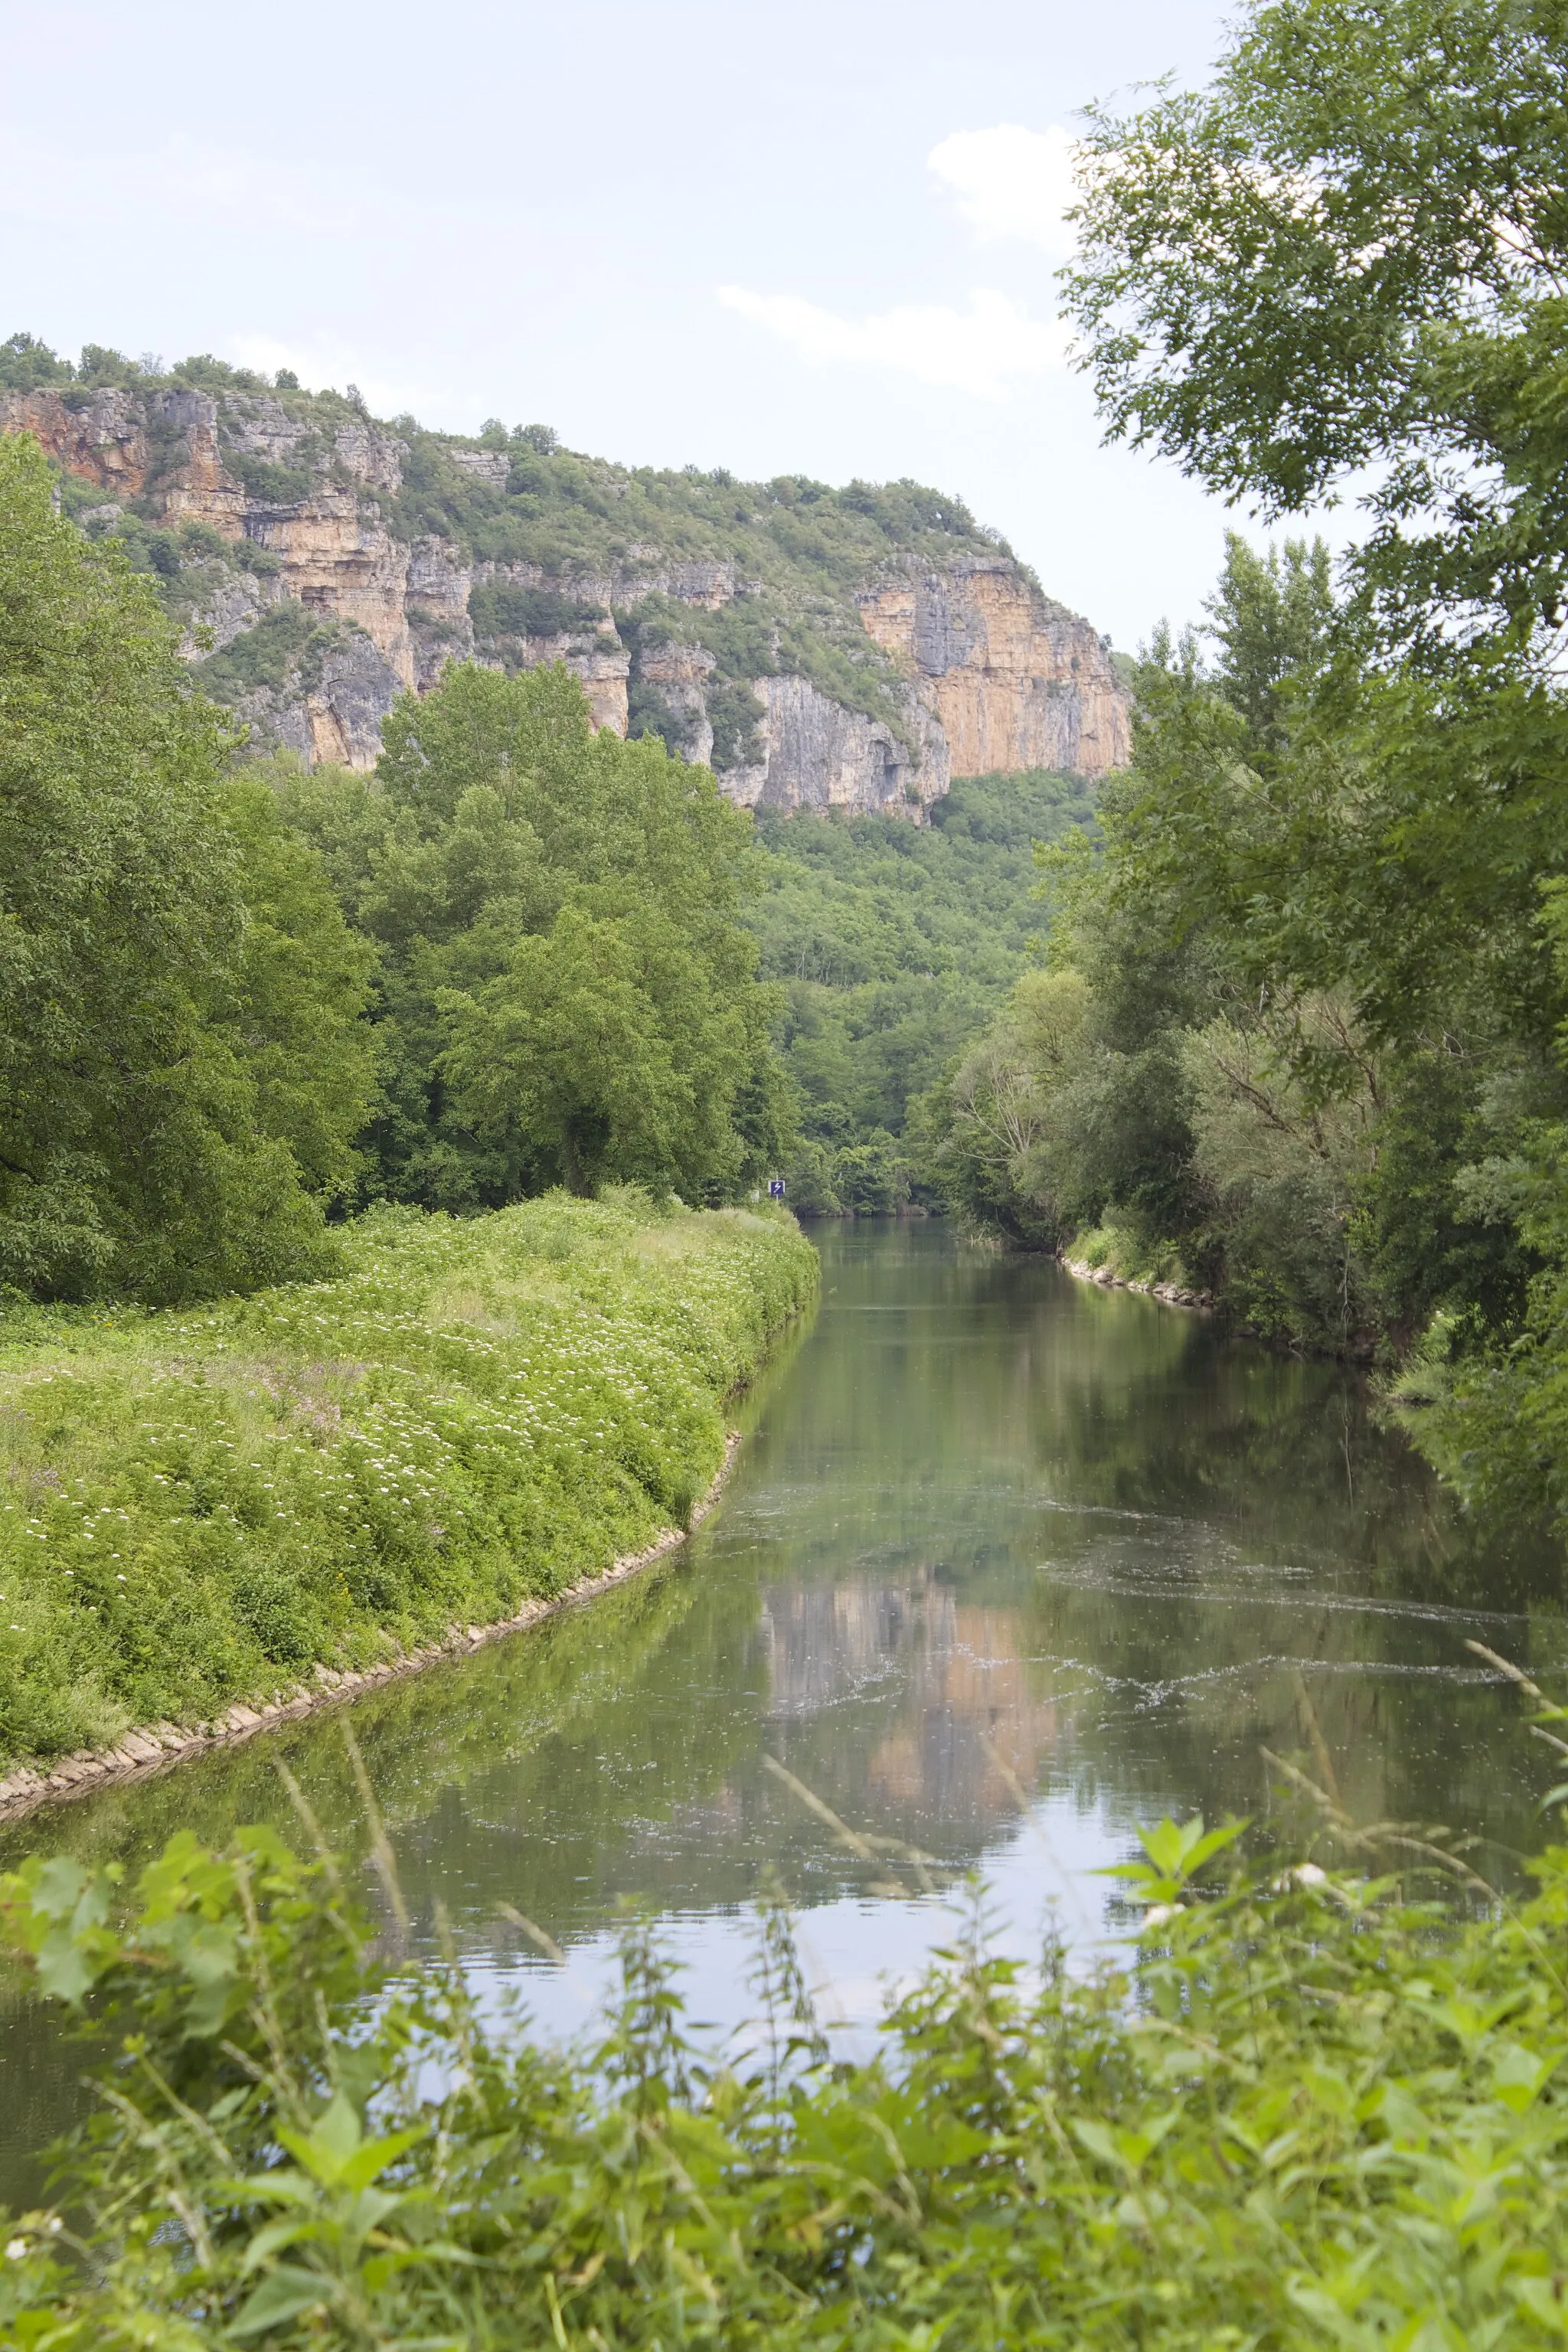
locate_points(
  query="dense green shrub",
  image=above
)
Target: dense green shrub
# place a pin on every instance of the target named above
(282, 653)
(197, 1507)
(210, 374)
(736, 716)
(25, 364)
(282, 486)
(502, 612)
(650, 711)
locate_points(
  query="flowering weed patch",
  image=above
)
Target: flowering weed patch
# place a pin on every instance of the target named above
(198, 1508)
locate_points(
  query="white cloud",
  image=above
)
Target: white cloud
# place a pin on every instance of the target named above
(1013, 182)
(977, 350)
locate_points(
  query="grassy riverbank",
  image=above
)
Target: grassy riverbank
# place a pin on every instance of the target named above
(200, 1506)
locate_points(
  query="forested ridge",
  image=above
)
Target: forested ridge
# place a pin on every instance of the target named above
(539, 544)
(890, 945)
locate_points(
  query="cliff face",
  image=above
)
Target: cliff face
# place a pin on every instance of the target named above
(321, 562)
(1013, 680)
(816, 754)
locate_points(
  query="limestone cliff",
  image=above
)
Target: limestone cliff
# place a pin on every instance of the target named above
(849, 649)
(816, 754)
(1013, 680)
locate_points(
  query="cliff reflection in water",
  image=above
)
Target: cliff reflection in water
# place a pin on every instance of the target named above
(961, 1692)
(993, 1531)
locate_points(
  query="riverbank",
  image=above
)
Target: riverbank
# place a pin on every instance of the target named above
(1169, 1294)
(214, 1517)
(155, 1748)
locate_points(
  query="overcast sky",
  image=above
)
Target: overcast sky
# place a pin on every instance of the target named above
(808, 238)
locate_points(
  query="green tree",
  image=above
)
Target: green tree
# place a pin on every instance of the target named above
(566, 993)
(986, 1131)
(1341, 262)
(608, 1052)
(1349, 253)
(1270, 618)
(142, 1148)
(296, 994)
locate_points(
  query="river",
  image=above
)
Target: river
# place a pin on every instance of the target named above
(1007, 1564)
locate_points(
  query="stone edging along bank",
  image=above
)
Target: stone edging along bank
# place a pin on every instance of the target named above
(138, 1754)
(1170, 1294)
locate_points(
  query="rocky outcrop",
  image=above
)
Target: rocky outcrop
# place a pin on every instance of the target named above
(342, 564)
(995, 678)
(332, 711)
(1013, 680)
(99, 437)
(818, 755)
(402, 608)
(266, 501)
(679, 674)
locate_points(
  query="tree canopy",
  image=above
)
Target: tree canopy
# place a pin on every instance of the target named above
(181, 1071)
(1317, 977)
(565, 995)
(1349, 253)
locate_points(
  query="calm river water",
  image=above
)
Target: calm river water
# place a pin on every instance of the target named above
(1008, 1565)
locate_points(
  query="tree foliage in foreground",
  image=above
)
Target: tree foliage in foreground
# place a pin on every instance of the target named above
(1311, 2110)
(181, 1071)
(1349, 252)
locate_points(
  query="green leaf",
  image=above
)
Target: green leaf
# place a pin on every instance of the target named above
(59, 1886)
(1174, 1854)
(63, 1972)
(271, 2240)
(1125, 2151)
(282, 2295)
(1544, 2300)
(369, 2162)
(335, 2153)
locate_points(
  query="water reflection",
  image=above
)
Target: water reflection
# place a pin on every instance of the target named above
(994, 1536)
